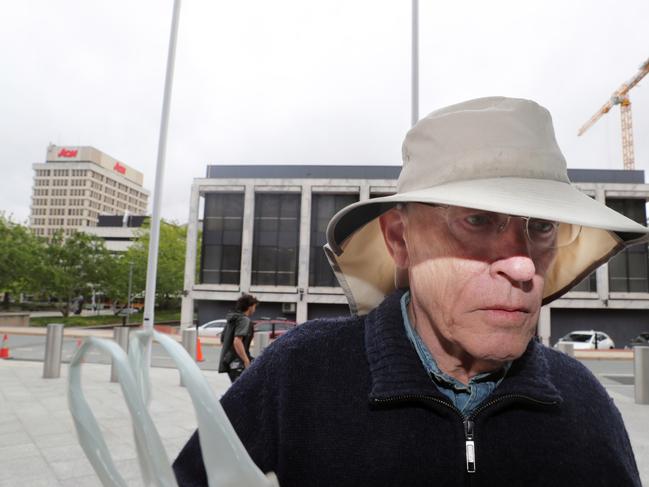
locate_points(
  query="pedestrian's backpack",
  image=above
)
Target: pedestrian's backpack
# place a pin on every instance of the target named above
(227, 336)
(228, 354)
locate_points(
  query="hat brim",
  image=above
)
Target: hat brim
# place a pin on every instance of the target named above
(366, 272)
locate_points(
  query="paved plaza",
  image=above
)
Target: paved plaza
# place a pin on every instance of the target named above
(38, 443)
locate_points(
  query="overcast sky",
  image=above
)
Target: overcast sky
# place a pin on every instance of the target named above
(299, 82)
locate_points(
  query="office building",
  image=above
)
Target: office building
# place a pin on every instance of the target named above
(263, 228)
(76, 184)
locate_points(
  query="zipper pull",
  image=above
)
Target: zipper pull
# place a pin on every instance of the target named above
(470, 446)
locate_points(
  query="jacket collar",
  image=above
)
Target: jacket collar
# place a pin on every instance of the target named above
(396, 370)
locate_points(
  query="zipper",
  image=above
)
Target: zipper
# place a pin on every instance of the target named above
(467, 421)
(469, 433)
(469, 446)
(490, 403)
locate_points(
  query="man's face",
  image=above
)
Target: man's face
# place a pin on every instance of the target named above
(483, 300)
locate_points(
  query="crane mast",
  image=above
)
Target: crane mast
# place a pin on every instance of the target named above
(621, 97)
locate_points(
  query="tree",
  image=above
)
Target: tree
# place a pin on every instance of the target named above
(73, 264)
(171, 265)
(21, 259)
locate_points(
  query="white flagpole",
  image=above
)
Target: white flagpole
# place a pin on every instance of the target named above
(414, 108)
(154, 237)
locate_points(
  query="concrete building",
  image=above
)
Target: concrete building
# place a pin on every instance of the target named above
(264, 227)
(117, 231)
(76, 184)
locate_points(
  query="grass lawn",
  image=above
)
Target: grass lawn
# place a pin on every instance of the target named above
(134, 319)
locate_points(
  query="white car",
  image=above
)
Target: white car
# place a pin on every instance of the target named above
(585, 340)
(212, 328)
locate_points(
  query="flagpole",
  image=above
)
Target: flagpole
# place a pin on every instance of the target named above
(414, 107)
(154, 236)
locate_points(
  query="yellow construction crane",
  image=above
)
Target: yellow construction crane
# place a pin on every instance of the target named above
(621, 97)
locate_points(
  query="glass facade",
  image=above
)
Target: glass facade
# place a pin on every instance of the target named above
(276, 239)
(589, 284)
(221, 245)
(628, 271)
(323, 207)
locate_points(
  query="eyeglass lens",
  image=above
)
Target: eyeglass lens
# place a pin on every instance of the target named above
(474, 226)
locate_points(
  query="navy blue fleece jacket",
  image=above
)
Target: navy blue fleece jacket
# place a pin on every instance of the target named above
(347, 402)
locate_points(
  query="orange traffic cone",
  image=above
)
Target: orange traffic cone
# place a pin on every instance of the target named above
(199, 352)
(79, 341)
(4, 351)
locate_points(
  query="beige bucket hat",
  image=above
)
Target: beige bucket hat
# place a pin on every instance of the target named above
(496, 154)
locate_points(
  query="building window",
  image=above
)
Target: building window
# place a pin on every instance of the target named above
(589, 284)
(323, 207)
(628, 271)
(221, 247)
(276, 239)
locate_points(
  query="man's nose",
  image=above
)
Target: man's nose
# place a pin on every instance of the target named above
(514, 258)
(517, 268)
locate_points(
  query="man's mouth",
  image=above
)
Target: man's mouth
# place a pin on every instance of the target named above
(509, 309)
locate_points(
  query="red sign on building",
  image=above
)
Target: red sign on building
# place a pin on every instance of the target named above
(119, 168)
(67, 153)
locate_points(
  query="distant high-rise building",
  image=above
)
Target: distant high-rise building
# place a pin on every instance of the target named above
(76, 184)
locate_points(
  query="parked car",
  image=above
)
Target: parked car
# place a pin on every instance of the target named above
(587, 340)
(127, 311)
(212, 328)
(276, 326)
(641, 339)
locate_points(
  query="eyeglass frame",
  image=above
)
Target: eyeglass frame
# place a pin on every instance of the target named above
(502, 228)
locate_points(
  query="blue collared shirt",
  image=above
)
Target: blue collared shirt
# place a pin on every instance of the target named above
(465, 397)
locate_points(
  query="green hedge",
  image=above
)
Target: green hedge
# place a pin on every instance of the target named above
(134, 319)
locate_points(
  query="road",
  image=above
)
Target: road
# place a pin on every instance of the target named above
(26, 347)
(617, 374)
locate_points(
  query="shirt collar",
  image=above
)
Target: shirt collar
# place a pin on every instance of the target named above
(430, 364)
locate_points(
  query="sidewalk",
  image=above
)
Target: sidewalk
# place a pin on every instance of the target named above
(57, 314)
(38, 442)
(39, 447)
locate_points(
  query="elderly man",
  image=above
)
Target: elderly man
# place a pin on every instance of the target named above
(436, 378)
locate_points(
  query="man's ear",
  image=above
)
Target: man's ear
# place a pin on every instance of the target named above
(393, 227)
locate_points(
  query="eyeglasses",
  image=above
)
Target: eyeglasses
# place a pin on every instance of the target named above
(475, 228)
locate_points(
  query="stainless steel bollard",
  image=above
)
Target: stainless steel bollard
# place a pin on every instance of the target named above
(189, 344)
(120, 335)
(567, 348)
(260, 341)
(641, 374)
(53, 350)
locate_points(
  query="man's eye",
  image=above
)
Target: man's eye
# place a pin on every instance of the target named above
(479, 220)
(542, 227)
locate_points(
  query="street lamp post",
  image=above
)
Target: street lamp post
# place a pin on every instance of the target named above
(414, 75)
(130, 286)
(154, 234)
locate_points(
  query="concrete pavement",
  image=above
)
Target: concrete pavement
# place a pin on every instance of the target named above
(38, 444)
(57, 314)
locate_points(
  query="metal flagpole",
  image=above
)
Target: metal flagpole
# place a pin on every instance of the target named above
(414, 113)
(154, 237)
